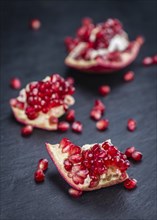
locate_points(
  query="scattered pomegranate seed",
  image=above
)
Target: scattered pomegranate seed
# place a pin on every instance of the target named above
(77, 127)
(43, 164)
(131, 124)
(147, 61)
(15, 83)
(130, 183)
(63, 126)
(35, 24)
(136, 155)
(27, 130)
(104, 90)
(129, 151)
(75, 193)
(102, 124)
(70, 116)
(39, 175)
(129, 76)
(155, 59)
(99, 105)
(70, 80)
(95, 114)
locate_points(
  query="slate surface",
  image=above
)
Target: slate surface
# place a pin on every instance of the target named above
(31, 55)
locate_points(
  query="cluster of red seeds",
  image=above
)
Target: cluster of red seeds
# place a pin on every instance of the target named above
(106, 31)
(39, 175)
(132, 153)
(93, 162)
(44, 95)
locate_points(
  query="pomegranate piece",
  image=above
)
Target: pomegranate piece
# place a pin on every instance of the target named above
(70, 115)
(129, 151)
(129, 76)
(102, 47)
(131, 124)
(27, 130)
(43, 164)
(35, 24)
(147, 61)
(75, 193)
(39, 176)
(15, 83)
(41, 103)
(102, 124)
(136, 155)
(130, 183)
(104, 90)
(90, 167)
(63, 126)
(77, 126)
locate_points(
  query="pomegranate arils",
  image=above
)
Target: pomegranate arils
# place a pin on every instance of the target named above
(129, 151)
(129, 76)
(35, 24)
(130, 183)
(75, 193)
(70, 115)
(147, 61)
(53, 120)
(155, 59)
(63, 126)
(95, 114)
(99, 105)
(43, 164)
(136, 155)
(77, 126)
(39, 175)
(102, 124)
(104, 90)
(15, 83)
(70, 80)
(67, 165)
(27, 130)
(131, 125)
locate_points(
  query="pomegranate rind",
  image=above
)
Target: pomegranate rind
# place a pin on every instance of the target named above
(93, 66)
(58, 158)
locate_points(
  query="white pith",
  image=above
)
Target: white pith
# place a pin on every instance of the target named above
(113, 175)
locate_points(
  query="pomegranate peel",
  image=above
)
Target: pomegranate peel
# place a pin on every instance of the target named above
(43, 118)
(78, 176)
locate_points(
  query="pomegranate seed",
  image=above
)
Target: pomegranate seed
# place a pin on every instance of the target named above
(27, 130)
(43, 164)
(70, 116)
(15, 83)
(53, 120)
(86, 21)
(104, 90)
(35, 24)
(70, 80)
(129, 76)
(75, 193)
(63, 126)
(147, 61)
(131, 124)
(129, 151)
(39, 175)
(77, 127)
(130, 183)
(99, 105)
(95, 114)
(136, 155)
(67, 165)
(155, 59)
(102, 124)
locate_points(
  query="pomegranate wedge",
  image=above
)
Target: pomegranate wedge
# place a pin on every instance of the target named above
(91, 167)
(101, 48)
(41, 103)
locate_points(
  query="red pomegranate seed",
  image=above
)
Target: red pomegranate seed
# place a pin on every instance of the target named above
(63, 126)
(75, 193)
(99, 105)
(15, 83)
(43, 164)
(27, 130)
(95, 114)
(155, 59)
(104, 90)
(67, 165)
(129, 151)
(70, 80)
(35, 24)
(102, 124)
(136, 155)
(147, 61)
(39, 175)
(129, 76)
(53, 120)
(86, 21)
(70, 116)
(131, 124)
(130, 183)
(77, 126)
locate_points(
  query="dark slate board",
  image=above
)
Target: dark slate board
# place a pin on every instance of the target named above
(31, 55)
